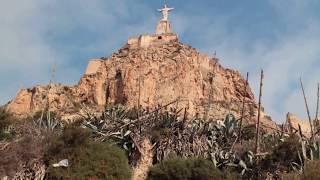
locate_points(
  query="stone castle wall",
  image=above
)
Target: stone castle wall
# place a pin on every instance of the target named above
(144, 41)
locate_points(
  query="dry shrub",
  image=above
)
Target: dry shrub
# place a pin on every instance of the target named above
(242, 148)
(311, 170)
(248, 132)
(283, 155)
(5, 118)
(23, 153)
(291, 176)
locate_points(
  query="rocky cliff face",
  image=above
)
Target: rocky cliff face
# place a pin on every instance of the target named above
(149, 76)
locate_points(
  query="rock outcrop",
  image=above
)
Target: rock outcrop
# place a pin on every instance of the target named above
(293, 122)
(164, 71)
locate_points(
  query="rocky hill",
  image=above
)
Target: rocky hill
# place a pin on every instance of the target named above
(155, 73)
(149, 71)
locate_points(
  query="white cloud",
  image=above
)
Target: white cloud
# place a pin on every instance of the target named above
(26, 53)
(24, 57)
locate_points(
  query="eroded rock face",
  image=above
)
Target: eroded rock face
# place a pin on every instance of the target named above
(29, 101)
(152, 76)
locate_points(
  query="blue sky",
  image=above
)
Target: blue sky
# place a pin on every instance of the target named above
(280, 36)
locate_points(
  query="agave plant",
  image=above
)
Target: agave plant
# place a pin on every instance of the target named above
(115, 113)
(221, 137)
(124, 140)
(48, 121)
(221, 158)
(230, 126)
(110, 119)
(112, 126)
(310, 150)
(197, 124)
(315, 151)
(274, 139)
(226, 159)
(223, 133)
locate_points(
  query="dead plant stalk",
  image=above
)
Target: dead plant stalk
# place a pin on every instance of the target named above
(307, 108)
(257, 145)
(243, 107)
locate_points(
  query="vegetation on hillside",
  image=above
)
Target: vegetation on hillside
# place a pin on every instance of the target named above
(174, 134)
(109, 146)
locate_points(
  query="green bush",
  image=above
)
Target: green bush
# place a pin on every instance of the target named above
(185, 169)
(87, 159)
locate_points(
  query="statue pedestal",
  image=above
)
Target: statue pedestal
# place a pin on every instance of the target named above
(163, 27)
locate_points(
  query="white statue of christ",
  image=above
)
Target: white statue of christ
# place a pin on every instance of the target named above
(165, 12)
